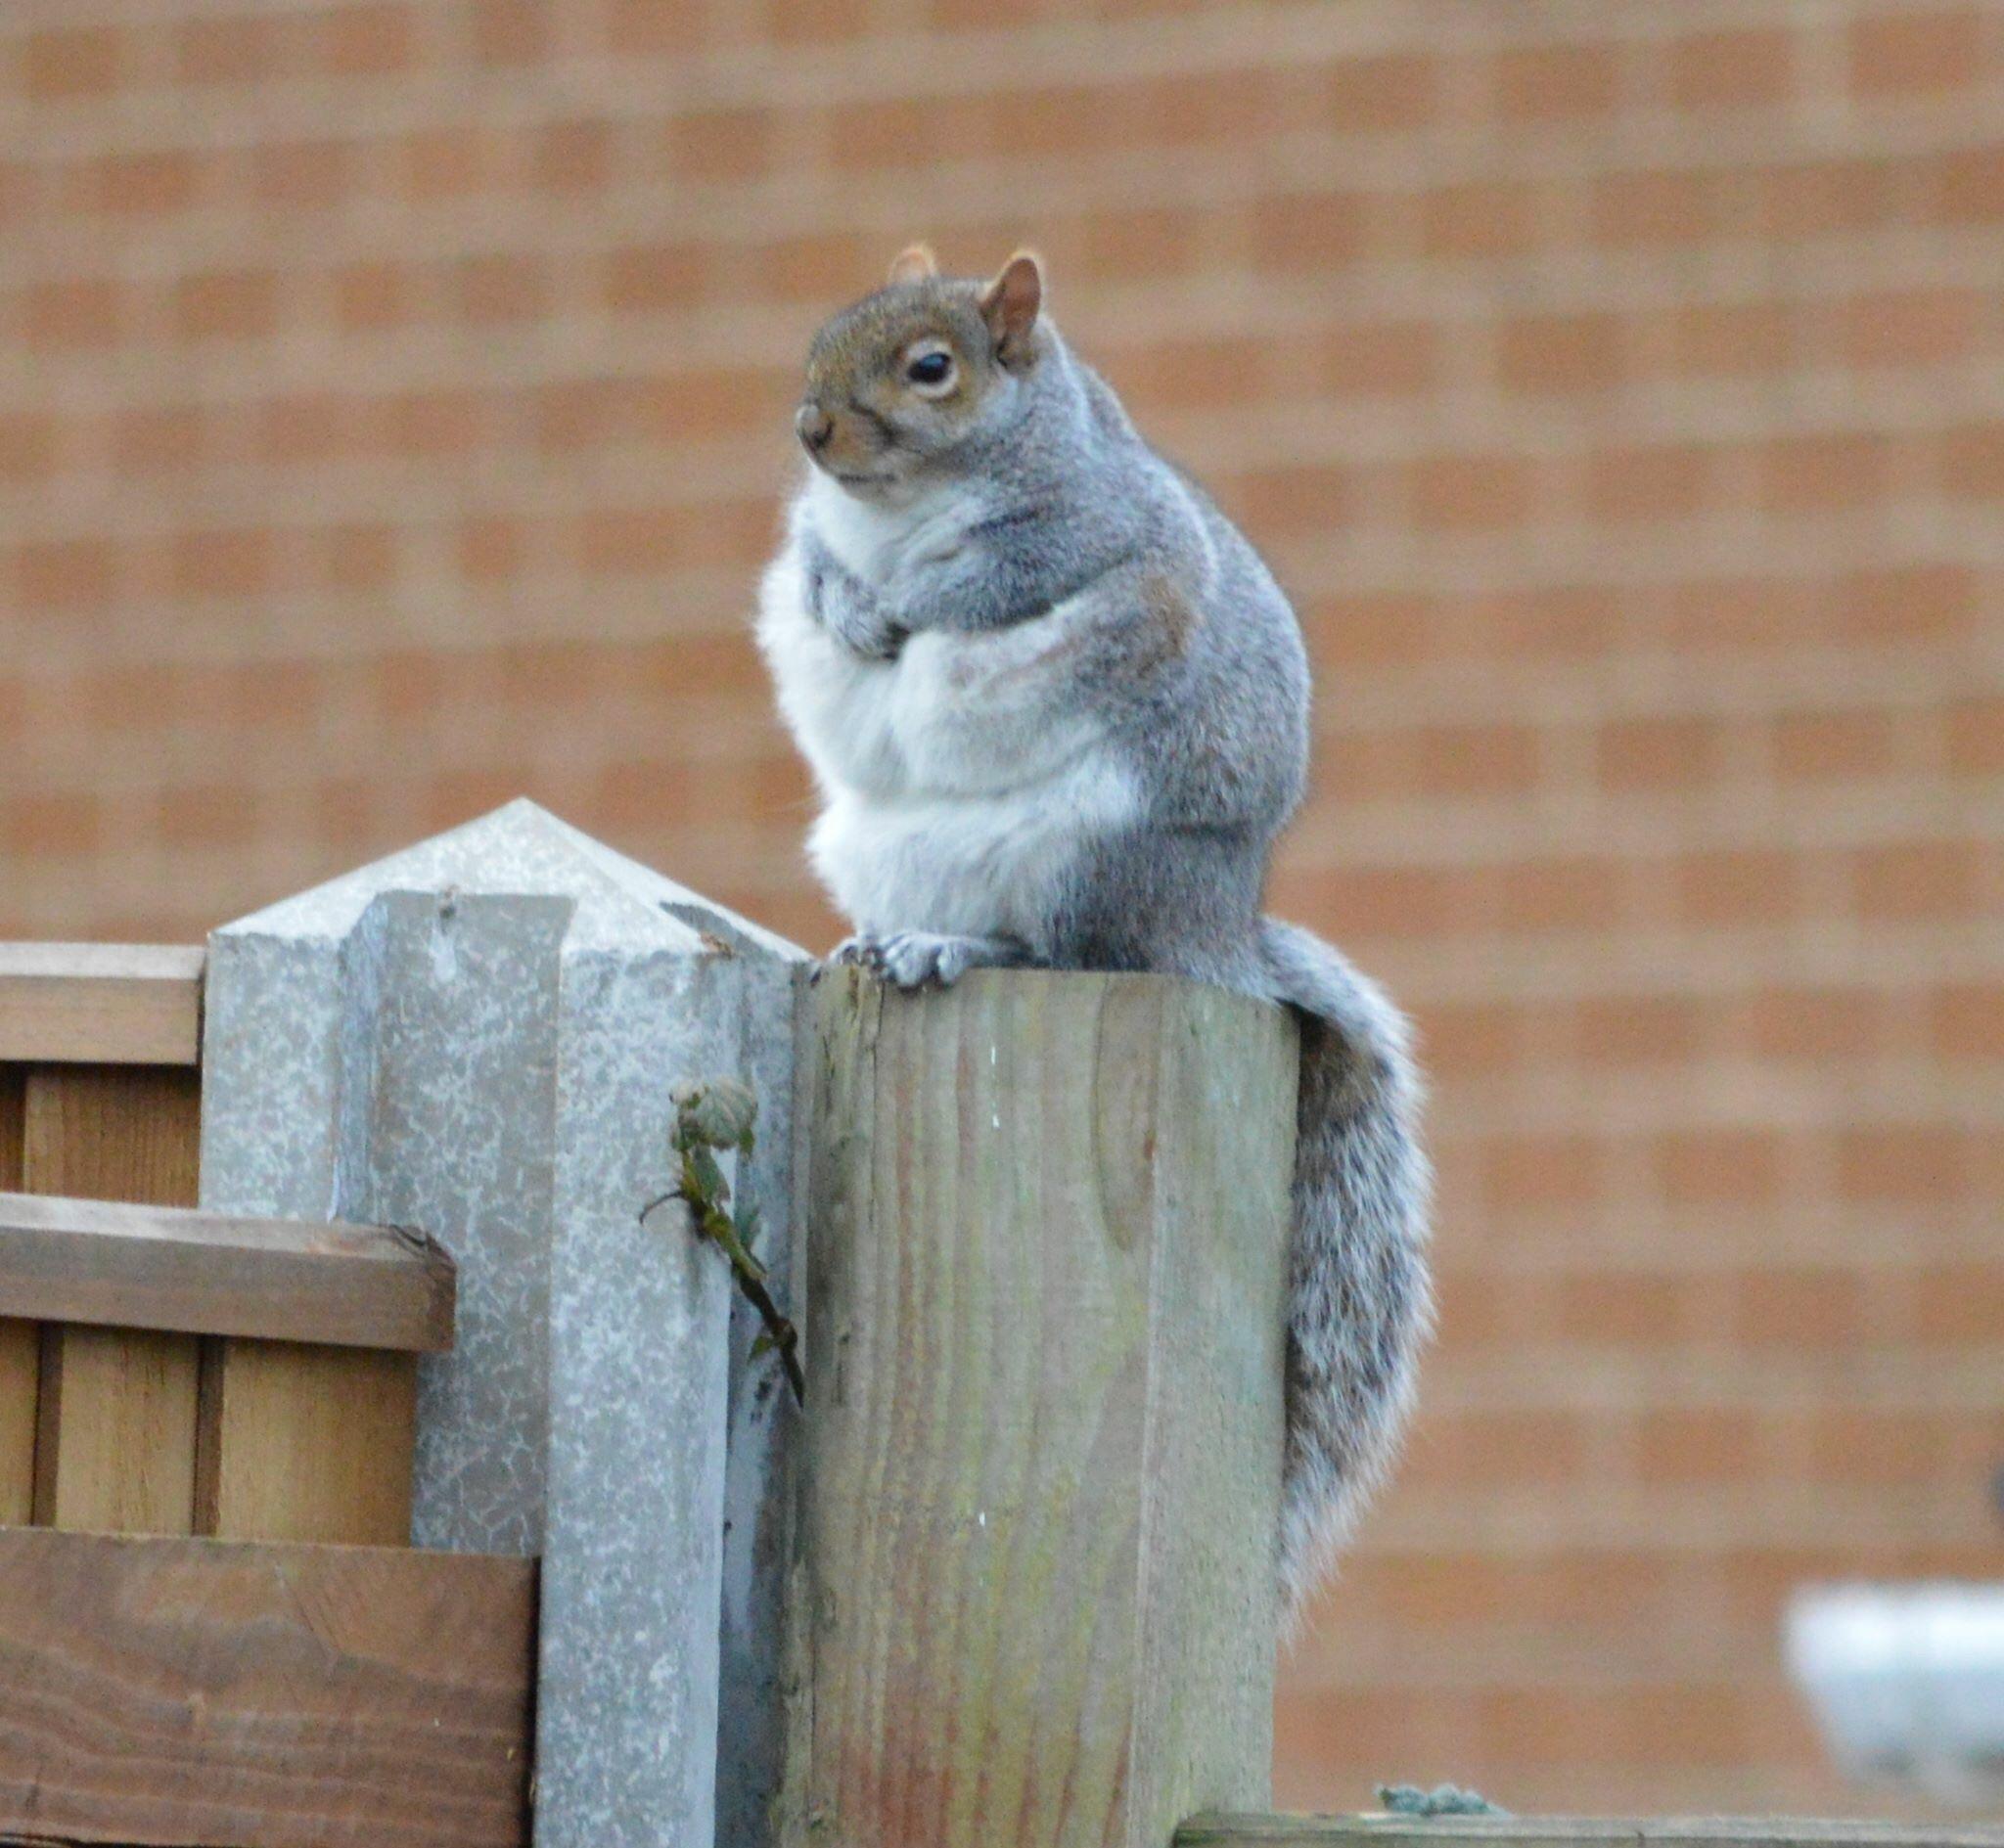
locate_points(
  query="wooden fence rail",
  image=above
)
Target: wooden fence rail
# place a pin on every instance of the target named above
(117, 1004)
(196, 1273)
(1555, 1831)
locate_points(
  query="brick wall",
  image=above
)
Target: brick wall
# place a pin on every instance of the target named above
(392, 399)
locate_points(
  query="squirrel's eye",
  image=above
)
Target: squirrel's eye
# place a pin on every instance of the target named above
(929, 369)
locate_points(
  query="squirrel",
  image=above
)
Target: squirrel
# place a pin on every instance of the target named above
(1057, 708)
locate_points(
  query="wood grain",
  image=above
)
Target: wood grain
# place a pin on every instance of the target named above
(173, 1269)
(302, 1442)
(101, 1003)
(1042, 1450)
(263, 1697)
(19, 1341)
(1534, 1832)
(116, 1426)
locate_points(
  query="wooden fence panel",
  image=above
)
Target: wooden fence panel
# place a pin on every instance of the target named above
(115, 1449)
(305, 1442)
(263, 1697)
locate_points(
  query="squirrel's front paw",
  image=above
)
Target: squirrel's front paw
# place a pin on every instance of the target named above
(912, 958)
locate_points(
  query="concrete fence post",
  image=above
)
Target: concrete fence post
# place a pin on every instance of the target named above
(479, 1037)
(1035, 1592)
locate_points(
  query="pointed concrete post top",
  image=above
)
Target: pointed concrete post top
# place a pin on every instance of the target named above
(522, 849)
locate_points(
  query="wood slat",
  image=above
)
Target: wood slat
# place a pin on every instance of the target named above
(19, 1341)
(101, 1003)
(306, 1443)
(197, 1273)
(116, 1427)
(1545, 1832)
(201, 1691)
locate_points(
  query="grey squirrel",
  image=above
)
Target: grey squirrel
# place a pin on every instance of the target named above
(1058, 710)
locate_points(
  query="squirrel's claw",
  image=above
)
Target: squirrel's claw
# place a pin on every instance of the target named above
(911, 957)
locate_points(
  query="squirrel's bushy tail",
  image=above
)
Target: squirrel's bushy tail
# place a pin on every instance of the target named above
(1361, 1303)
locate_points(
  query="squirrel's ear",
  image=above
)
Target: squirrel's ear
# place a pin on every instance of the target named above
(914, 264)
(1010, 304)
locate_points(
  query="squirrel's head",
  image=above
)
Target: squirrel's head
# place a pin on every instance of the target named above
(912, 372)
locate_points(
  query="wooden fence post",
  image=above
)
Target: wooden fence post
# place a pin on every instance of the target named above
(479, 1038)
(1034, 1592)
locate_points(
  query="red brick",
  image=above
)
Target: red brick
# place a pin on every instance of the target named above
(1718, 1445)
(1645, 754)
(139, 185)
(1841, 468)
(1910, 327)
(1366, 357)
(1637, 1029)
(509, 32)
(1670, 205)
(1912, 882)
(1473, 1039)
(85, 312)
(1966, 1022)
(1968, 186)
(1381, 92)
(207, 817)
(1579, 893)
(372, 294)
(1973, 460)
(61, 65)
(1538, 83)
(720, 144)
(238, 48)
(1478, 218)
(1561, 353)
(50, 824)
(27, 445)
(1730, 888)
(1139, 242)
(222, 563)
(1803, 1308)
(1473, 493)
(654, 279)
(1730, 70)
(1557, 1170)
(64, 575)
(1734, 338)
(226, 304)
(301, 175)
(367, 39)
(1899, 602)
(1904, 1165)
(1651, 481)
(499, 288)
(1975, 736)
(1812, 198)
(1308, 232)
(1896, 54)
(1718, 1166)
(575, 158)
(1960, 1303)
(1833, 747)
(650, 28)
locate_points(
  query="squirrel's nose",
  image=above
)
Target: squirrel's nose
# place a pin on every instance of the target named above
(813, 424)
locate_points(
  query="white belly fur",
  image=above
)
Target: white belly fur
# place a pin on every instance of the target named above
(959, 782)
